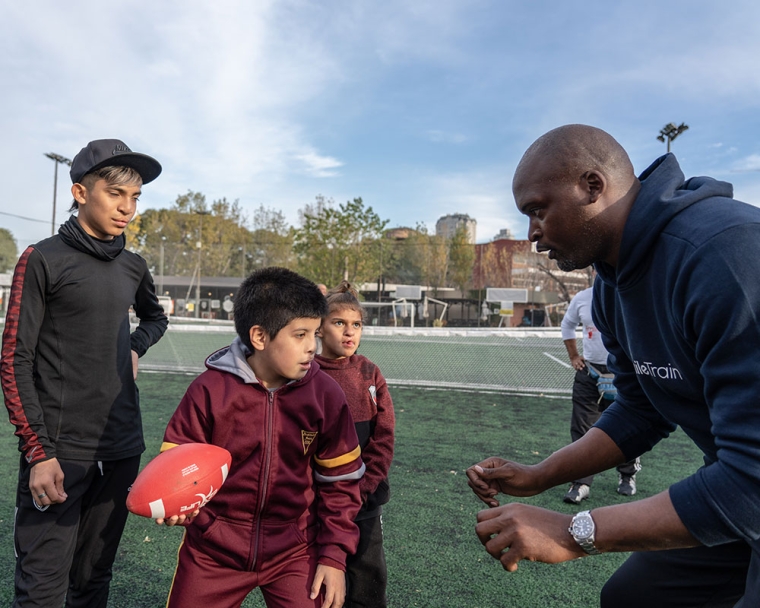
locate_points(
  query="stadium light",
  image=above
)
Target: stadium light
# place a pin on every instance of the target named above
(671, 131)
(161, 266)
(58, 159)
(200, 213)
(242, 249)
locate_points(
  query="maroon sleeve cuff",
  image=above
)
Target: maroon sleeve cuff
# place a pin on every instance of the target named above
(326, 560)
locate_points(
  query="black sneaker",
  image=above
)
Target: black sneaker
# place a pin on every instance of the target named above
(626, 485)
(577, 493)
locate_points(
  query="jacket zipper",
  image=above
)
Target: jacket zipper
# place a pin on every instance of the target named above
(265, 482)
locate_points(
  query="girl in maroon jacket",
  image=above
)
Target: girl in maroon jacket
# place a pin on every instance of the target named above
(372, 409)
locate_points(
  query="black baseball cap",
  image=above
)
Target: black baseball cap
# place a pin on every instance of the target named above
(112, 153)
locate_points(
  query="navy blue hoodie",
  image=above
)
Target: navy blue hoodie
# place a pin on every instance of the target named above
(679, 316)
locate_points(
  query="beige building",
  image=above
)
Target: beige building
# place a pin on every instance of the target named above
(447, 226)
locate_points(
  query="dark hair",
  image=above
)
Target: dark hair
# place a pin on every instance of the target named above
(272, 298)
(344, 296)
(114, 175)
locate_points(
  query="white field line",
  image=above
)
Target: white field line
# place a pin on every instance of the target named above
(557, 360)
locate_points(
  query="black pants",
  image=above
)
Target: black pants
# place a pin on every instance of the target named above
(366, 572)
(68, 550)
(702, 577)
(586, 411)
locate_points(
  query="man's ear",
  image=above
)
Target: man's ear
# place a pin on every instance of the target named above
(258, 336)
(78, 191)
(595, 184)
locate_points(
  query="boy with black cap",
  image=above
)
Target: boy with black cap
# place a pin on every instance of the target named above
(68, 365)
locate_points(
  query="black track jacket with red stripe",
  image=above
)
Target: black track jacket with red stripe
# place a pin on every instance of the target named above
(66, 364)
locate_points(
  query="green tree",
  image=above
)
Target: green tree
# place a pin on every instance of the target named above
(169, 239)
(270, 242)
(421, 259)
(430, 257)
(8, 250)
(336, 243)
(224, 234)
(461, 259)
(403, 263)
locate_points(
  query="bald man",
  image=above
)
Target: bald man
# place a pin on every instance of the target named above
(677, 300)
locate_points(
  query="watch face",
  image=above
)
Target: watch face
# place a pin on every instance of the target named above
(583, 526)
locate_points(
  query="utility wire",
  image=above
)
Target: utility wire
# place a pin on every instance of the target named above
(31, 219)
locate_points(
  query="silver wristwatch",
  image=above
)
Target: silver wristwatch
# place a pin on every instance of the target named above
(582, 529)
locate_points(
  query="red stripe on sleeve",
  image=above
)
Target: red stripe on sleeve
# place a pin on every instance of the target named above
(31, 445)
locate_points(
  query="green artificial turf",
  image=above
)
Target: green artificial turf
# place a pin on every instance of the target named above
(434, 558)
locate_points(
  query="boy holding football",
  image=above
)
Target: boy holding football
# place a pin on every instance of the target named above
(284, 519)
(372, 410)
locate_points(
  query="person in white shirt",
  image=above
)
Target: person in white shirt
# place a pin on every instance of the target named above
(588, 403)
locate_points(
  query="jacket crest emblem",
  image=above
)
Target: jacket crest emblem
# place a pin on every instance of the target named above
(307, 438)
(373, 394)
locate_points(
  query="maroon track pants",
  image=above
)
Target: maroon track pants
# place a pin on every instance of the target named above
(200, 581)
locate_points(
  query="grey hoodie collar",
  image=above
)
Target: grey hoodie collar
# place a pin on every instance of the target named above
(233, 359)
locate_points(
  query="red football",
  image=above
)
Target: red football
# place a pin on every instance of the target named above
(179, 480)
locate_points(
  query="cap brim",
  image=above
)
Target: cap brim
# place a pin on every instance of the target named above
(148, 168)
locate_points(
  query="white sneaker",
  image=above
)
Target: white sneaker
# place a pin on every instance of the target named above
(577, 493)
(626, 484)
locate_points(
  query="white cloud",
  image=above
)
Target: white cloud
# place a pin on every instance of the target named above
(319, 166)
(749, 163)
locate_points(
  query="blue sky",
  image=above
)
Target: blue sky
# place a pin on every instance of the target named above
(421, 108)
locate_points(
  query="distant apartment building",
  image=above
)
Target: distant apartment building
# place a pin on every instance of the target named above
(504, 235)
(447, 226)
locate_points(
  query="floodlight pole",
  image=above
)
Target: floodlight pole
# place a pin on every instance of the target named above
(670, 131)
(200, 248)
(161, 266)
(242, 260)
(58, 159)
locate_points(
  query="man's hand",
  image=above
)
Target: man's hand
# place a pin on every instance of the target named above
(515, 532)
(495, 475)
(334, 581)
(576, 360)
(178, 520)
(135, 359)
(46, 483)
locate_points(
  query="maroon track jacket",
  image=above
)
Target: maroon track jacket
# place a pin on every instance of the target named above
(295, 471)
(372, 409)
